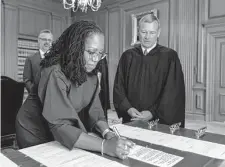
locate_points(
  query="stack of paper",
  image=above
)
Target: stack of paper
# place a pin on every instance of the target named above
(5, 162)
(154, 157)
(53, 154)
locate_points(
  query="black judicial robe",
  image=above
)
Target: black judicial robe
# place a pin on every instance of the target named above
(102, 67)
(153, 82)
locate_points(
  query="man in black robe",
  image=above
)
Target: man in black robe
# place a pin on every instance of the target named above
(149, 82)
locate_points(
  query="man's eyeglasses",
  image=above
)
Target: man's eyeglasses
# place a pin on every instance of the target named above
(95, 55)
(46, 40)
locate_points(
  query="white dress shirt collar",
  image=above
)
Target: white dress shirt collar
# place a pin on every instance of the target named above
(149, 49)
(42, 54)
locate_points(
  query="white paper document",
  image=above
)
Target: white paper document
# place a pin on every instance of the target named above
(201, 147)
(53, 154)
(4, 161)
(154, 157)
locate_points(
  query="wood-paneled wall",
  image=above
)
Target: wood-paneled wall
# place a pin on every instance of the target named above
(212, 27)
(187, 46)
(184, 29)
(1, 44)
(194, 28)
(26, 18)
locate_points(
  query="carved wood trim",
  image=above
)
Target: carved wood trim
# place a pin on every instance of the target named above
(200, 101)
(210, 16)
(55, 8)
(54, 26)
(122, 31)
(114, 49)
(131, 4)
(222, 66)
(2, 44)
(187, 45)
(212, 32)
(23, 11)
(173, 28)
(10, 40)
(107, 31)
(222, 104)
(201, 58)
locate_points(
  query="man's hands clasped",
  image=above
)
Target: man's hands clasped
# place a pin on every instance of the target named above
(136, 115)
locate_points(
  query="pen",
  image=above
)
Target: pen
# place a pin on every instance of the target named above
(116, 131)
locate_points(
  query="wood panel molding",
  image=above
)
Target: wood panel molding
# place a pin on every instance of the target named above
(114, 8)
(64, 23)
(173, 22)
(32, 21)
(2, 35)
(194, 116)
(55, 8)
(200, 101)
(57, 26)
(107, 31)
(222, 66)
(122, 31)
(216, 9)
(213, 32)
(200, 68)
(187, 45)
(212, 11)
(131, 4)
(209, 84)
(222, 104)
(10, 40)
(114, 51)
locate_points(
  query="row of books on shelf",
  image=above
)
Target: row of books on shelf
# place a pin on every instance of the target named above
(29, 44)
(25, 52)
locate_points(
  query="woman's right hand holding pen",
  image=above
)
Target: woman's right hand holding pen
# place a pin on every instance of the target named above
(118, 147)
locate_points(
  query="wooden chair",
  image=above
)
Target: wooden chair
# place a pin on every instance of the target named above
(11, 101)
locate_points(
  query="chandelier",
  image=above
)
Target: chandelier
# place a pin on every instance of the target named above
(82, 4)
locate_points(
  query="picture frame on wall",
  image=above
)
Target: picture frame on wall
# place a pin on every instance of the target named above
(135, 20)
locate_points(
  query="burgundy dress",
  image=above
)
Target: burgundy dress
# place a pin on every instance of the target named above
(67, 110)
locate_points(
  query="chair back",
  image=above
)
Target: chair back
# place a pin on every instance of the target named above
(11, 101)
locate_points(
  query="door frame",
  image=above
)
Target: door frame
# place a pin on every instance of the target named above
(212, 32)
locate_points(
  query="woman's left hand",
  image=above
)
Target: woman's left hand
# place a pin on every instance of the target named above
(109, 135)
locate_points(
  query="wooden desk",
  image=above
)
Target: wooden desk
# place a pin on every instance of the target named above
(190, 159)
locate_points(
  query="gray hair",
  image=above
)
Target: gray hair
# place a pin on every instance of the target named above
(149, 18)
(45, 31)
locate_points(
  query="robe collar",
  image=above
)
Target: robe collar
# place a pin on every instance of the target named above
(151, 53)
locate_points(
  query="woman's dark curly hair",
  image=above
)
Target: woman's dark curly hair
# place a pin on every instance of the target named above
(68, 50)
